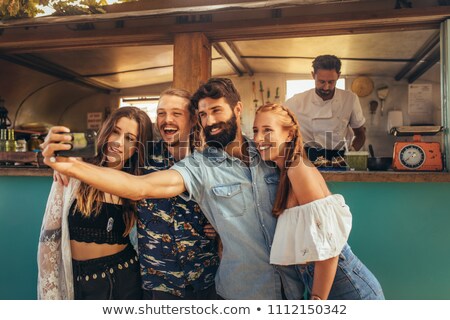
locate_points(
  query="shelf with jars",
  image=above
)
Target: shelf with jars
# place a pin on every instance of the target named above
(15, 150)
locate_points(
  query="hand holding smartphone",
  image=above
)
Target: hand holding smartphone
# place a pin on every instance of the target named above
(84, 145)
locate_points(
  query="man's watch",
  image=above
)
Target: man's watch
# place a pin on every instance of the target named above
(315, 297)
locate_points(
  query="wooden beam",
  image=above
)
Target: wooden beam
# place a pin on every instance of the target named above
(432, 42)
(328, 24)
(223, 26)
(60, 39)
(147, 9)
(192, 60)
(227, 58)
(44, 66)
(340, 58)
(208, 5)
(238, 55)
(430, 61)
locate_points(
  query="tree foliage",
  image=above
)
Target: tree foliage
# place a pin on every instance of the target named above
(29, 8)
(18, 8)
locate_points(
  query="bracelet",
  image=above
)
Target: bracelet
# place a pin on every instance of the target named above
(315, 297)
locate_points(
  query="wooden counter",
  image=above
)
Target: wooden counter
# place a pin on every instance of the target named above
(385, 176)
(26, 172)
(332, 176)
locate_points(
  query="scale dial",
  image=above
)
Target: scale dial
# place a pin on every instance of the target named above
(412, 156)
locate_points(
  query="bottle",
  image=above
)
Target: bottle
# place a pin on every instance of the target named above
(2, 140)
(10, 142)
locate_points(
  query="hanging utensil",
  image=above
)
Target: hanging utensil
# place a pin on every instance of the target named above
(261, 90)
(4, 119)
(277, 96)
(373, 105)
(362, 86)
(382, 95)
(255, 101)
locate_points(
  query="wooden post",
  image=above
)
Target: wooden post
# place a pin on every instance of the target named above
(192, 60)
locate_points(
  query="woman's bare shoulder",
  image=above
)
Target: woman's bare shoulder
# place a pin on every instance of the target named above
(307, 182)
(301, 167)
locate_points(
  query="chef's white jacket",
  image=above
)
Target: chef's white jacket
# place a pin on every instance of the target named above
(325, 124)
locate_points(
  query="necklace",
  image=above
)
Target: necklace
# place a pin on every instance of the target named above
(110, 224)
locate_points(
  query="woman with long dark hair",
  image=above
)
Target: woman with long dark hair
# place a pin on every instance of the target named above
(85, 251)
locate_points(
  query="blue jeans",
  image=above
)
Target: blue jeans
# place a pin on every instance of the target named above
(353, 280)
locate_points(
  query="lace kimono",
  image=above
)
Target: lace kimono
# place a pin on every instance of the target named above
(55, 277)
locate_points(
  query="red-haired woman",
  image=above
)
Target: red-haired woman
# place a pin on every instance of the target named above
(313, 225)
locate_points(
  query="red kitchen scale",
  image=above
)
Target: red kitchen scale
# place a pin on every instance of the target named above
(417, 155)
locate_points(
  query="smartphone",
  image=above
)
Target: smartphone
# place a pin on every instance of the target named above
(84, 145)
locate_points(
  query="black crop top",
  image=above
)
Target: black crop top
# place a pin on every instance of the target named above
(106, 227)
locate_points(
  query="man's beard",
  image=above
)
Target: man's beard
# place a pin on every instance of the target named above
(223, 138)
(325, 94)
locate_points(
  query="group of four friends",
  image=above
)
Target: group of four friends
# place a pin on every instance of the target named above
(283, 234)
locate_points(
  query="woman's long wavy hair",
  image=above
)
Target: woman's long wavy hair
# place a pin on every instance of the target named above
(293, 151)
(89, 199)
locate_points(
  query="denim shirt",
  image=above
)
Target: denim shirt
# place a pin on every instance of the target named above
(174, 251)
(237, 200)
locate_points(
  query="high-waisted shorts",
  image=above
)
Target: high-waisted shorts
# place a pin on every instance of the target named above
(114, 277)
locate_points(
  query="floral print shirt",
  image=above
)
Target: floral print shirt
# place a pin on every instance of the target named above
(174, 251)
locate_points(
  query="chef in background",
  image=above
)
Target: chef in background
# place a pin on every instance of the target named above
(331, 119)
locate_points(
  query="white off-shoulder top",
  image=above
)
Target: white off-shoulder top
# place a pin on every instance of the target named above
(314, 231)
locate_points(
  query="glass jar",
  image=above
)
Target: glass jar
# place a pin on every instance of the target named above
(21, 145)
(34, 142)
